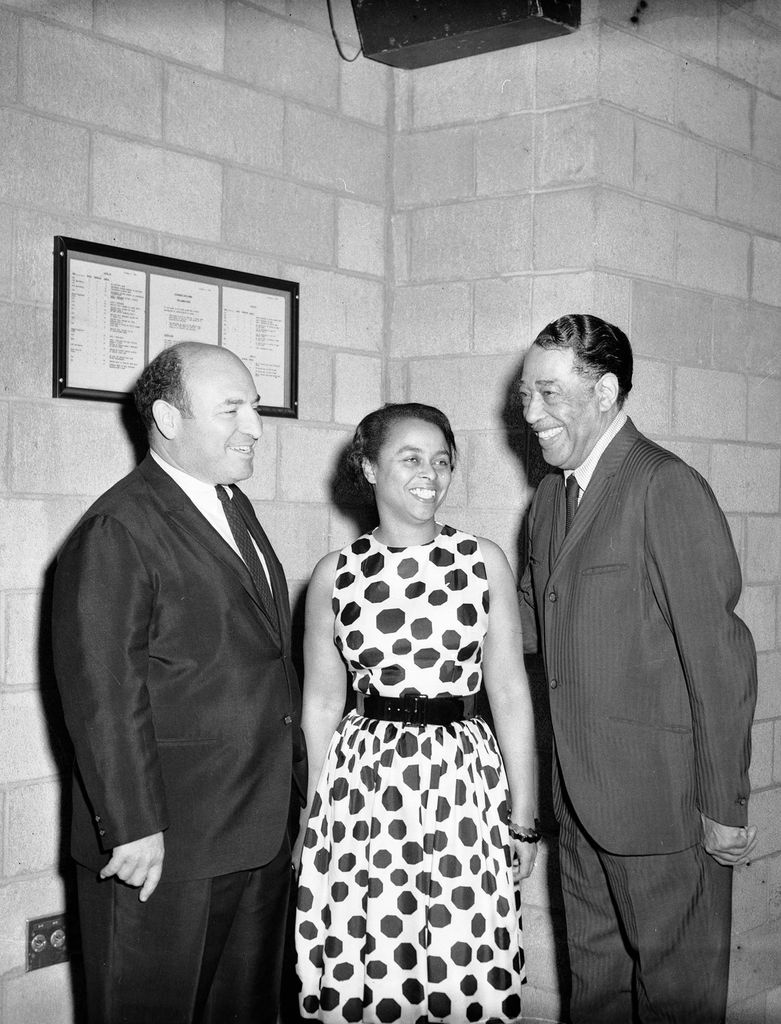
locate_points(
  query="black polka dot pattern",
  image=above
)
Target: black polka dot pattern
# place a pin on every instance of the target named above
(419, 626)
(406, 906)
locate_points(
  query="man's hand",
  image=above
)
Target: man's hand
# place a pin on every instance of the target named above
(728, 844)
(139, 863)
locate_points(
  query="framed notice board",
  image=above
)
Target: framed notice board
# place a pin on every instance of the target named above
(115, 309)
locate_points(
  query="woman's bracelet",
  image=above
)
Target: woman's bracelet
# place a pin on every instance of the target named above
(525, 833)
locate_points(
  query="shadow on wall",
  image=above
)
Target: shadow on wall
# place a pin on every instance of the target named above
(62, 751)
(59, 740)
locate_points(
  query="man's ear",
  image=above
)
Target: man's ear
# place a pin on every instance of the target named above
(607, 391)
(368, 471)
(167, 418)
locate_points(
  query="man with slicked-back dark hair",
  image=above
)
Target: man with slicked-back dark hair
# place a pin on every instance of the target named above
(631, 590)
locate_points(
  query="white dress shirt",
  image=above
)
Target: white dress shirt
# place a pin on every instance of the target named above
(585, 470)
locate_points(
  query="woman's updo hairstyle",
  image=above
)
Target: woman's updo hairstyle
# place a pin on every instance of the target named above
(372, 433)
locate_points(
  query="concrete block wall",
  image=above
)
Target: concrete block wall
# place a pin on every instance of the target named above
(228, 133)
(718, 303)
(632, 171)
(435, 220)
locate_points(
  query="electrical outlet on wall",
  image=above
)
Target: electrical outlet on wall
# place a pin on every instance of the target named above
(47, 941)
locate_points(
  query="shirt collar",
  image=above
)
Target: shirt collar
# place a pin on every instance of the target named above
(201, 494)
(585, 470)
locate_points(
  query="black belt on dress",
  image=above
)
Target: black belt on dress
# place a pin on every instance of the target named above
(413, 709)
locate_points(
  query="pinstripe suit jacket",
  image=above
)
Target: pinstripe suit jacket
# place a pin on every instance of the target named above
(651, 675)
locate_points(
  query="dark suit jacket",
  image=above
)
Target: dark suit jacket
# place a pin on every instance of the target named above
(651, 675)
(180, 697)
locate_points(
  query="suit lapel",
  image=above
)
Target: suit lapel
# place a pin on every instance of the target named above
(183, 512)
(594, 496)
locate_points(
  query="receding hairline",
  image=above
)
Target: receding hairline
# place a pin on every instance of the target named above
(195, 356)
(191, 353)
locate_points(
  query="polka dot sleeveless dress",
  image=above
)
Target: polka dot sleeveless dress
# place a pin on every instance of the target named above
(407, 910)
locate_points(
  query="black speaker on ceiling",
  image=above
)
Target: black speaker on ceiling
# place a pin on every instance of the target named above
(416, 33)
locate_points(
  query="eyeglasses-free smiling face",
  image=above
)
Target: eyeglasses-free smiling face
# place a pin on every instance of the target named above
(216, 443)
(411, 474)
(567, 412)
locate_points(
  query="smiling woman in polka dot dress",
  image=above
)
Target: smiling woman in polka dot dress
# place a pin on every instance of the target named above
(417, 830)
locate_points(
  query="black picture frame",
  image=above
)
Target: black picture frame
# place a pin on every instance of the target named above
(115, 309)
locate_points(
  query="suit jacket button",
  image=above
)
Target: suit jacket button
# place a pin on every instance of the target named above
(97, 817)
(287, 720)
(742, 801)
(554, 683)
(552, 596)
(101, 831)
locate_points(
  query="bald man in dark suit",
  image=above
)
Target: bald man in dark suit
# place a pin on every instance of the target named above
(633, 579)
(172, 655)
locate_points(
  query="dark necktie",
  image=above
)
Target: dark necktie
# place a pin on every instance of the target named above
(573, 490)
(247, 550)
